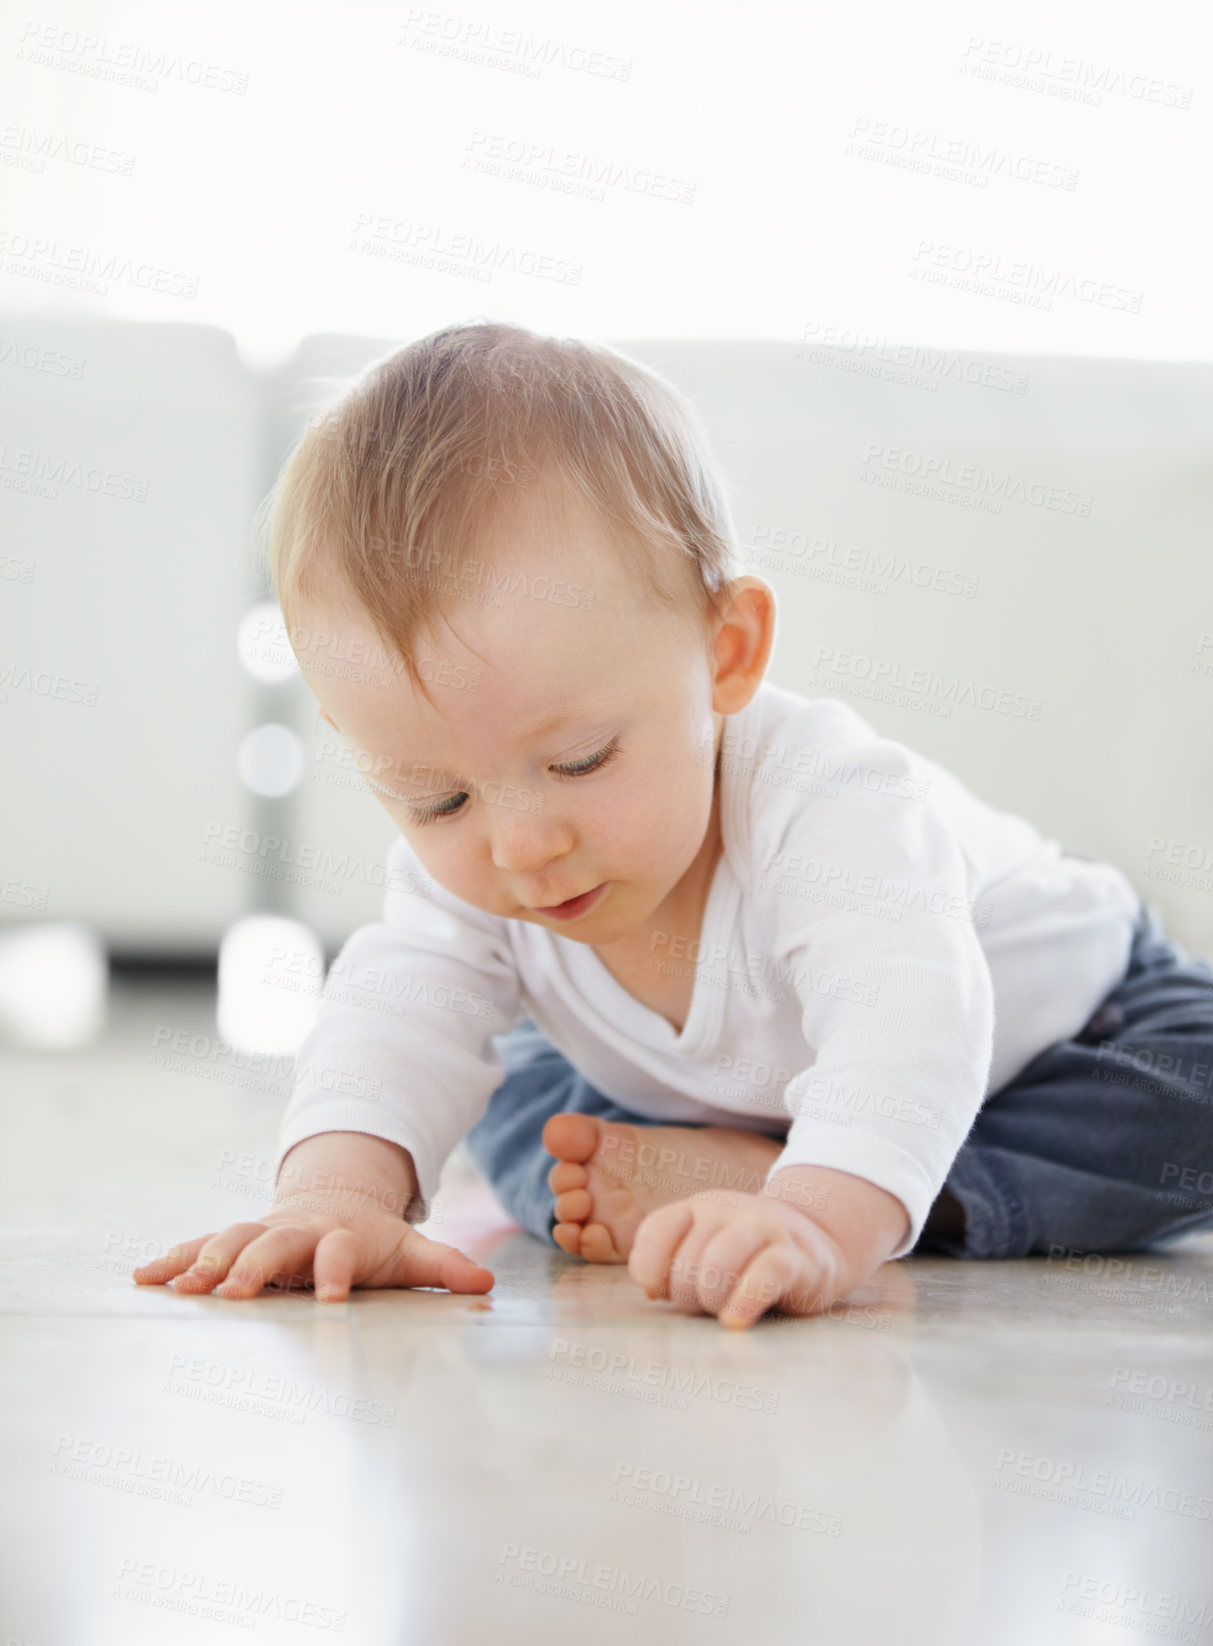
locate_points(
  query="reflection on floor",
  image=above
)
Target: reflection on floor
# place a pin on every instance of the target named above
(969, 1453)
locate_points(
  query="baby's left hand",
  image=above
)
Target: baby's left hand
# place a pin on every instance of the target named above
(735, 1256)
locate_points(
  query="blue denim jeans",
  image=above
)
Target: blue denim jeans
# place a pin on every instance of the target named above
(1102, 1143)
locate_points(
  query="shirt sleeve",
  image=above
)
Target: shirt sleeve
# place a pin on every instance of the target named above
(402, 1046)
(872, 901)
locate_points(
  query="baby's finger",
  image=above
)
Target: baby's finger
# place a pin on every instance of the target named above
(657, 1239)
(764, 1282)
(286, 1249)
(161, 1269)
(216, 1255)
(724, 1261)
(425, 1262)
(333, 1265)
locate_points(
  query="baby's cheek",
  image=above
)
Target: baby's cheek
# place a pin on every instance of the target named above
(651, 838)
(450, 871)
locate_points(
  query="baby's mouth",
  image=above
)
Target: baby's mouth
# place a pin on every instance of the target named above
(572, 907)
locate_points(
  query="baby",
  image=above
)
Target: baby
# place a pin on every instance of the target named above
(785, 968)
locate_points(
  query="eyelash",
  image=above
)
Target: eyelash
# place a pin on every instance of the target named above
(570, 768)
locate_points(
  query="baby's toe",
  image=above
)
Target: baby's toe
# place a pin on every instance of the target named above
(568, 1237)
(574, 1206)
(598, 1245)
(567, 1174)
(571, 1136)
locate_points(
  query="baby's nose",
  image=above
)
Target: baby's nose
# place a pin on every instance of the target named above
(526, 842)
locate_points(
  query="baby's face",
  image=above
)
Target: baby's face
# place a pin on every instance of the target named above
(568, 751)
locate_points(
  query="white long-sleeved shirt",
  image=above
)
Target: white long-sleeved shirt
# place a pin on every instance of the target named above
(879, 951)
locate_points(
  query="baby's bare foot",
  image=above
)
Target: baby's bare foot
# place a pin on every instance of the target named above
(609, 1175)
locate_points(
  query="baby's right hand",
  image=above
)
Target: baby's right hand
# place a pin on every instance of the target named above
(335, 1246)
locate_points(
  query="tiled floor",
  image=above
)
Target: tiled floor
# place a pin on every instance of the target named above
(970, 1453)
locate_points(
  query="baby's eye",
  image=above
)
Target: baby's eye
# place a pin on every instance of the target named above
(591, 763)
(444, 808)
(420, 814)
(454, 803)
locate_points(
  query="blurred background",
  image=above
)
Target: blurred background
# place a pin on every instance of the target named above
(939, 289)
(937, 277)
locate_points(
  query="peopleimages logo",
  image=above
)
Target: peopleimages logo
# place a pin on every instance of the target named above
(921, 149)
(54, 472)
(614, 1372)
(1037, 69)
(642, 1486)
(1133, 1606)
(1156, 1387)
(1022, 1470)
(941, 263)
(480, 42)
(44, 259)
(937, 693)
(1004, 488)
(575, 1577)
(749, 755)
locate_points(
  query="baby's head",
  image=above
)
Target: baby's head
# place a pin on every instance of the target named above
(507, 568)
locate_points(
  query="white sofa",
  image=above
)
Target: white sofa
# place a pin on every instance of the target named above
(1041, 621)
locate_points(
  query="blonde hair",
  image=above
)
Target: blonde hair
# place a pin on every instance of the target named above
(392, 483)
